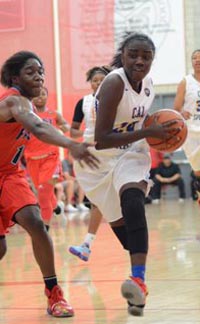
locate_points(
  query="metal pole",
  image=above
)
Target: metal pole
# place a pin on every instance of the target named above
(57, 61)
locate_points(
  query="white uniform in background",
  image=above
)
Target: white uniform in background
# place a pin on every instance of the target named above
(119, 166)
(89, 117)
(192, 104)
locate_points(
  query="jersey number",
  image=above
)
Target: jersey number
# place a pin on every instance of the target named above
(18, 154)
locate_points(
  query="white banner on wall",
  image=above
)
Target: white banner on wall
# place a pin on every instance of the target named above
(96, 26)
(163, 21)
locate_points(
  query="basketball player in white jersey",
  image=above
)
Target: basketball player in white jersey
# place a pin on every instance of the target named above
(85, 110)
(118, 188)
(187, 101)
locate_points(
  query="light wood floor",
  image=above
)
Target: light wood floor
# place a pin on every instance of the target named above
(93, 288)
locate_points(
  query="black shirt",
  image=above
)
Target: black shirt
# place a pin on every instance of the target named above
(78, 112)
(168, 172)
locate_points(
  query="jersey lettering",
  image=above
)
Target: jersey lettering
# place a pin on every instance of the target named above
(125, 127)
(138, 112)
(18, 154)
(47, 120)
(23, 134)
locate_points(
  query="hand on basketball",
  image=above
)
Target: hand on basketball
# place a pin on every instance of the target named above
(186, 114)
(166, 130)
(163, 131)
(80, 152)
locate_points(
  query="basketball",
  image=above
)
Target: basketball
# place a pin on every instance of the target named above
(172, 144)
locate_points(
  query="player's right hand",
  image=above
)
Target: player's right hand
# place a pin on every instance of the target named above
(164, 131)
(81, 153)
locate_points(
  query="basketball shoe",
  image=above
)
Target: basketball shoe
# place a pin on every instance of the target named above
(57, 305)
(82, 251)
(134, 291)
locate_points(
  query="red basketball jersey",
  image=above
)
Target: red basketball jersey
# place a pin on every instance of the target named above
(37, 148)
(13, 139)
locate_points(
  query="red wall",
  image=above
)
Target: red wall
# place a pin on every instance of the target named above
(86, 39)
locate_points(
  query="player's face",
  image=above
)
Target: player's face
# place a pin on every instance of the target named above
(41, 100)
(30, 79)
(196, 61)
(96, 81)
(137, 58)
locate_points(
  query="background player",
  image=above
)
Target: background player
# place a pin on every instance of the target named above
(187, 101)
(23, 74)
(85, 110)
(43, 160)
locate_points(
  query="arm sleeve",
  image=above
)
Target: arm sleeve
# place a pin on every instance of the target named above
(78, 112)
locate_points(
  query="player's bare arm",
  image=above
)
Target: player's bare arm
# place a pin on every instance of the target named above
(20, 109)
(179, 99)
(62, 123)
(109, 97)
(75, 131)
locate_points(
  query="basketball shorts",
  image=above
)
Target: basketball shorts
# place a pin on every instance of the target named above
(15, 194)
(102, 186)
(44, 169)
(191, 148)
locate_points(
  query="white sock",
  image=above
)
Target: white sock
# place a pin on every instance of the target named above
(89, 238)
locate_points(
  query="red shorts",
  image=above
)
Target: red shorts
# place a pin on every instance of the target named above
(15, 194)
(44, 169)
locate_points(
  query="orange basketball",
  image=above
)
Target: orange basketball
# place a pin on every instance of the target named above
(171, 144)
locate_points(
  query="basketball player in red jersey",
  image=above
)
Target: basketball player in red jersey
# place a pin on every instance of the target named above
(23, 74)
(42, 159)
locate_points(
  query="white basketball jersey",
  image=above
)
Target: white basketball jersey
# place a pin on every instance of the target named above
(89, 117)
(192, 102)
(133, 107)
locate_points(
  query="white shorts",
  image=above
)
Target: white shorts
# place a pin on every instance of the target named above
(102, 186)
(192, 150)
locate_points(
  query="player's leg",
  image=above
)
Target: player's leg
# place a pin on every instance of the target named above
(83, 251)
(132, 200)
(23, 209)
(81, 196)
(156, 191)
(29, 218)
(3, 246)
(46, 195)
(181, 187)
(69, 190)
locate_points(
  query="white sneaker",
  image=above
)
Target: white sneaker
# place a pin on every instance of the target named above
(82, 207)
(71, 209)
(155, 201)
(181, 200)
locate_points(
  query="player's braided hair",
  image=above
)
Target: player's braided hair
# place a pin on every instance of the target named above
(13, 66)
(105, 69)
(127, 38)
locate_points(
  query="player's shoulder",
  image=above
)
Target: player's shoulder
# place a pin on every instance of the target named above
(10, 92)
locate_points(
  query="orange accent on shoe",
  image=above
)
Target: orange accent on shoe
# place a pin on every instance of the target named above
(57, 305)
(141, 284)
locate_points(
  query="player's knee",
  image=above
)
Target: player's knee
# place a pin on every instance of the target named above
(34, 223)
(133, 211)
(121, 234)
(3, 247)
(37, 226)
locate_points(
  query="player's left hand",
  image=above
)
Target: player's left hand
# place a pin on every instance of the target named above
(186, 114)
